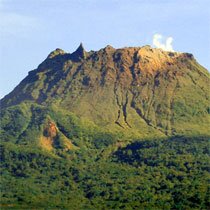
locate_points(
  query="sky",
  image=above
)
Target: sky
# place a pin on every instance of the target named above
(31, 29)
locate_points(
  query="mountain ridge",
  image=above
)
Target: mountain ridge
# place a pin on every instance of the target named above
(140, 84)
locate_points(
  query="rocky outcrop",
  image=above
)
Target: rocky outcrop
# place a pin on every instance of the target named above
(52, 138)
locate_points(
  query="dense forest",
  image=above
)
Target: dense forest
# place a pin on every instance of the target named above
(153, 174)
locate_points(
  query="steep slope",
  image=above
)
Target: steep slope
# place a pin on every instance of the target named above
(140, 89)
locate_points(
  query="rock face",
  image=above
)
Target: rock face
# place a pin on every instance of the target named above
(50, 130)
(134, 88)
(48, 139)
(52, 138)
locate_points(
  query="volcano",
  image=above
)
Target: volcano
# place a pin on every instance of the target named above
(79, 119)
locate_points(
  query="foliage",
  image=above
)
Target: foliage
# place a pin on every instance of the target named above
(152, 174)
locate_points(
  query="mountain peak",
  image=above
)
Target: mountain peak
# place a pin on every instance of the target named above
(56, 52)
(81, 47)
(80, 52)
(109, 47)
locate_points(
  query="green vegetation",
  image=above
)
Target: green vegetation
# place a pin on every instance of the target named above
(160, 174)
(103, 170)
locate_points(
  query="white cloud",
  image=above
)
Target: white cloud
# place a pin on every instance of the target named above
(157, 42)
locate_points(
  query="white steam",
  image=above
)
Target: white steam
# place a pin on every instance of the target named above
(157, 42)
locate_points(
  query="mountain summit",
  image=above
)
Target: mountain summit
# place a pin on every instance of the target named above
(80, 52)
(133, 88)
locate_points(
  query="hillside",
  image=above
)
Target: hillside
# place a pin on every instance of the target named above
(131, 88)
(110, 129)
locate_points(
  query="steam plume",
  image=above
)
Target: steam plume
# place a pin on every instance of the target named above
(157, 42)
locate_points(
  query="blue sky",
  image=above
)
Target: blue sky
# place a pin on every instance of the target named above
(31, 29)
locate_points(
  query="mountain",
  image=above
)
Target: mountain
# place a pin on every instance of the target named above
(129, 88)
(82, 119)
